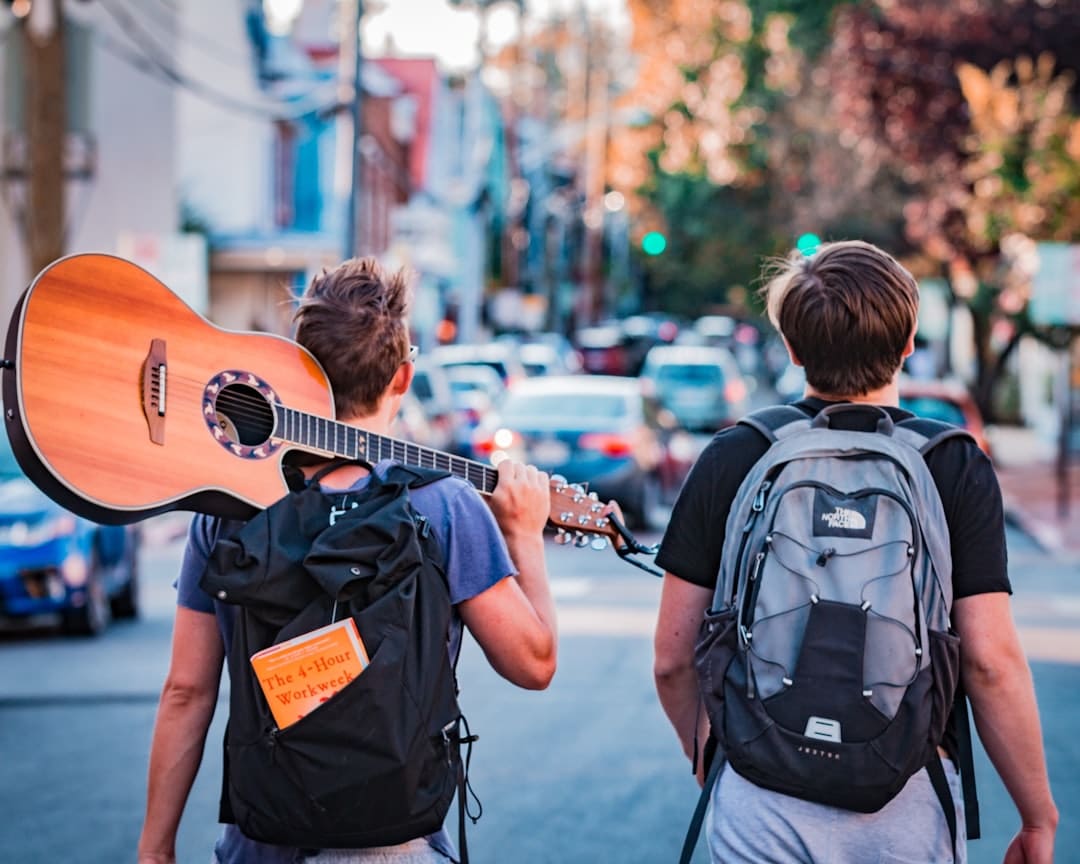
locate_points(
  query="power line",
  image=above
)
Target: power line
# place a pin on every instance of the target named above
(167, 16)
(150, 61)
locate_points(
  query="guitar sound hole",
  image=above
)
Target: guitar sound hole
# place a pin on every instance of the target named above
(244, 415)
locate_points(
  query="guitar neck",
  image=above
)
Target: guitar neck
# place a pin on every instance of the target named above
(314, 433)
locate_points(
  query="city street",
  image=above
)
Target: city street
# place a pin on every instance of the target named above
(587, 771)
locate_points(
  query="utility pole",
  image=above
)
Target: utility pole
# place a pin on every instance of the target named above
(46, 132)
(352, 45)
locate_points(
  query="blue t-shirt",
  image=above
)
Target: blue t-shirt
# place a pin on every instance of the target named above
(476, 559)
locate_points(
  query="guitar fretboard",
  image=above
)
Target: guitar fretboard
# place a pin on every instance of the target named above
(312, 432)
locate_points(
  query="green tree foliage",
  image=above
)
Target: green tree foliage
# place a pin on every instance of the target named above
(946, 132)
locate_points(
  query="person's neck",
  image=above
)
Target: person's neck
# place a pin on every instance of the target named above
(379, 422)
(888, 395)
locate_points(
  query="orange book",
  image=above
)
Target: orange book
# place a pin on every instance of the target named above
(299, 675)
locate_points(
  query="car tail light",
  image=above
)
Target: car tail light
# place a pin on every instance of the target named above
(501, 441)
(607, 443)
(735, 391)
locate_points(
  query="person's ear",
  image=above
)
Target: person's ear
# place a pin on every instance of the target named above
(402, 379)
(909, 346)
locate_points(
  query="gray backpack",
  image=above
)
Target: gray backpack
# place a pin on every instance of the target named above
(826, 662)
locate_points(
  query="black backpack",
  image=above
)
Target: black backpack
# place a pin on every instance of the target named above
(377, 764)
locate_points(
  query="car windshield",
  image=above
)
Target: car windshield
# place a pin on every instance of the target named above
(526, 408)
(500, 368)
(9, 467)
(695, 374)
(934, 408)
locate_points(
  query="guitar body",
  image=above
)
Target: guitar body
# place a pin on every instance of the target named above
(110, 406)
(122, 402)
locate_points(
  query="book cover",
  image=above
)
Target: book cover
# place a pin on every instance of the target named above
(299, 675)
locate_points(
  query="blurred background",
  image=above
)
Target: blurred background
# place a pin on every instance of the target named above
(604, 172)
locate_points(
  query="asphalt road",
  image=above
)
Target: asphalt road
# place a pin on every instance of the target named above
(587, 771)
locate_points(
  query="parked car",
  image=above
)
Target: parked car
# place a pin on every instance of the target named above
(445, 427)
(545, 353)
(544, 358)
(602, 350)
(641, 332)
(474, 391)
(500, 356)
(700, 385)
(716, 330)
(599, 430)
(56, 564)
(944, 399)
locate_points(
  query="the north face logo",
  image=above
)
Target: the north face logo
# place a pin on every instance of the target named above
(843, 519)
(843, 516)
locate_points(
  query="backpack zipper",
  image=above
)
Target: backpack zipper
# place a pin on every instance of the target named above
(756, 508)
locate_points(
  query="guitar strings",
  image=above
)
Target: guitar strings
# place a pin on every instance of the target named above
(247, 405)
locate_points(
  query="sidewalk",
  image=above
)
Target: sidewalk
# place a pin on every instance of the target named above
(1027, 471)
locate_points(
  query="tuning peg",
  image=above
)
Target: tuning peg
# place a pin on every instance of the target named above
(559, 481)
(581, 540)
(562, 537)
(599, 543)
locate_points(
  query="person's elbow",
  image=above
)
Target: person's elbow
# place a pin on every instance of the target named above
(992, 670)
(671, 668)
(537, 672)
(185, 694)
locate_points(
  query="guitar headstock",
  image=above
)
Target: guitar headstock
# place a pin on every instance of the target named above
(575, 513)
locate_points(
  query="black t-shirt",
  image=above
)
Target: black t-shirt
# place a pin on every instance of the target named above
(963, 474)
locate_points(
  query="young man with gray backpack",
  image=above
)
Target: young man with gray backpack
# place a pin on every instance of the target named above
(836, 592)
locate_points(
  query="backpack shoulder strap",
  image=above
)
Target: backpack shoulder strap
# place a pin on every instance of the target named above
(774, 422)
(413, 477)
(925, 434)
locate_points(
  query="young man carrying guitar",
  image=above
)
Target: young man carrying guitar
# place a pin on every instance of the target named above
(353, 320)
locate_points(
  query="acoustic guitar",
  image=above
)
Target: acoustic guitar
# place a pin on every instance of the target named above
(121, 402)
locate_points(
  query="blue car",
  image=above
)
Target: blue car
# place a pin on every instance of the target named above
(599, 430)
(53, 563)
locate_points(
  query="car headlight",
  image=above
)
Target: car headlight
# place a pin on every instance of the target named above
(25, 534)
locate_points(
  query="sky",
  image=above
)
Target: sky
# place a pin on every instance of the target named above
(435, 28)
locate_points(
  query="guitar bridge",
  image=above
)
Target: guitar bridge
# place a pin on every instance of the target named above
(154, 376)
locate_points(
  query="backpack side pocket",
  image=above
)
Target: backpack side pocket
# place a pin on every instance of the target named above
(716, 647)
(945, 665)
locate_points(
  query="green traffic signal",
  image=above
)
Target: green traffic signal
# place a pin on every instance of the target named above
(808, 244)
(653, 243)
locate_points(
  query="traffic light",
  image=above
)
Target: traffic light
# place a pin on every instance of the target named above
(653, 243)
(808, 244)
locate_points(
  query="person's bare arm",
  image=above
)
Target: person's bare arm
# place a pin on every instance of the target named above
(514, 620)
(184, 713)
(998, 682)
(682, 608)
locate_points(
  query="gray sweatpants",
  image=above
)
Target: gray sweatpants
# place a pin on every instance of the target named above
(750, 825)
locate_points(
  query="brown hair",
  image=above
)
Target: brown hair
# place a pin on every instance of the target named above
(353, 319)
(847, 311)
